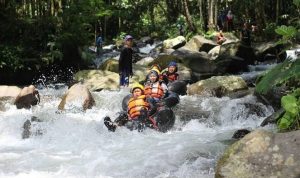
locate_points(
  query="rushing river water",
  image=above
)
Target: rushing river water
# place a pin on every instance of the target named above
(77, 144)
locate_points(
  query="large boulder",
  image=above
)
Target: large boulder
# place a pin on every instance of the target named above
(217, 86)
(174, 43)
(96, 80)
(29, 96)
(77, 96)
(230, 65)
(262, 154)
(239, 50)
(9, 91)
(270, 51)
(145, 61)
(196, 62)
(199, 43)
(110, 65)
(278, 81)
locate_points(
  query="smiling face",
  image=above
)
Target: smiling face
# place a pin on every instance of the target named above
(137, 92)
(152, 77)
(171, 69)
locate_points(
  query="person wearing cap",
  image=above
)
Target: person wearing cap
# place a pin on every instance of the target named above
(137, 111)
(125, 62)
(155, 89)
(170, 74)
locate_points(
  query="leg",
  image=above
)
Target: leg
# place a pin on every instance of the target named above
(109, 124)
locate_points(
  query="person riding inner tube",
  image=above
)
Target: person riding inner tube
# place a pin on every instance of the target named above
(141, 113)
(170, 74)
(137, 111)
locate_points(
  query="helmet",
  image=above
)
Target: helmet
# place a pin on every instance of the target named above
(172, 63)
(137, 85)
(155, 66)
(156, 71)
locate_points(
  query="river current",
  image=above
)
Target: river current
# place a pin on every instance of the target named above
(77, 144)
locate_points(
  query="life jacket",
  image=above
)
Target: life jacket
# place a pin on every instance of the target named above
(154, 90)
(135, 105)
(171, 76)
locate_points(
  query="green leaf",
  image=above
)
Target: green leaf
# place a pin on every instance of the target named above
(286, 31)
(289, 103)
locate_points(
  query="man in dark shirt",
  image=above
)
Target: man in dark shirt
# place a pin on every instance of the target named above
(125, 62)
(245, 35)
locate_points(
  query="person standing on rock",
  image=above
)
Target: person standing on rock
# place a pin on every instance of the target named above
(125, 62)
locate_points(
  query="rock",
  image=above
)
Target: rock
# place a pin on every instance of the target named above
(199, 43)
(174, 43)
(26, 132)
(78, 94)
(238, 50)
(97, 80)
(273, 118)
(238, 134)
(145, 61)
(269, 51)
(214, 53)
(262, 154)
(230, 65)
(110, 65)
(218, 86)
(9, 91)
(29, 96)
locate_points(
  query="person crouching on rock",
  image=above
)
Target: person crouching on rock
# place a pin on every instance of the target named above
(170, 74)
(155, 90)
(137, 112)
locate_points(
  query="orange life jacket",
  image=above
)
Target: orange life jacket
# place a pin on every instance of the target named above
(135, 105)
(172, 76)
(154, 90)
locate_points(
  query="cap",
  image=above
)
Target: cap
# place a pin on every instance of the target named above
(127, 37)
(172, 63)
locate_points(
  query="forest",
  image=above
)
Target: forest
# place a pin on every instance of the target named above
(36, 34)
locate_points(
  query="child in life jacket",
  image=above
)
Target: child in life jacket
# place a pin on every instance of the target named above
(155, 90)
(170, 74)
(137, 112)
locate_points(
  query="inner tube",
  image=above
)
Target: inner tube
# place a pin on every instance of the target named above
(165, 119)
(171, 100)
(178, 86)
(125, 102)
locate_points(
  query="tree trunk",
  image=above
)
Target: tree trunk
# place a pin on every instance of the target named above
(188, 17)
(260, 15)
(277, 11)
(200, 4)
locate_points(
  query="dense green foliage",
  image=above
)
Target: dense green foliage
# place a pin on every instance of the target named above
(45, 32)
(284, 74)
(291, 104)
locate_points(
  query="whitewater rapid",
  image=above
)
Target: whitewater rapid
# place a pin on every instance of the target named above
(77, 144)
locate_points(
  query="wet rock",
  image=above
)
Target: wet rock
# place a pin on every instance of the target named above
(29, 96)
(262, 154)
(272, 119)
(270, 51)
(199, 43)
(238, 50)
(238, 134)
(217, 86)
(9, 91)
(174, 43)
(26, 132)
(78, 93)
